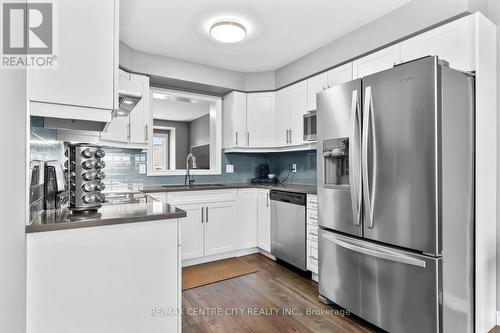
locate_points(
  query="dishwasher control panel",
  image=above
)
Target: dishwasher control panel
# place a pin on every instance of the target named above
(293, 198)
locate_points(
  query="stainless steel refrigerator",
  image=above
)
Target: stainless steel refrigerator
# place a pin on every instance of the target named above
(396, 197)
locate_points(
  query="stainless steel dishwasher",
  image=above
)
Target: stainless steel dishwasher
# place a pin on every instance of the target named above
(288, 227)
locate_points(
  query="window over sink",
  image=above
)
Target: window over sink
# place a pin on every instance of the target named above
(184, 123)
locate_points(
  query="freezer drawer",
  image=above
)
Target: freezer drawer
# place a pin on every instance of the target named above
(393, 289)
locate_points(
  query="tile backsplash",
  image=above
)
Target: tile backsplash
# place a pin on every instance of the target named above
(123, 166)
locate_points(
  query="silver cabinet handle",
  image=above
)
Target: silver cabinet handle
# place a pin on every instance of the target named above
(248, 138)
(290, 141)
(267, 200)
(202, 216)
(128, 131)
(286, 136)
(206, 214)
(354, 154)
(385, 254)
(236, 137)
(368, 122)
(146, 133)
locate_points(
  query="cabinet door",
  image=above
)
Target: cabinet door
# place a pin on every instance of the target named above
(118, 128)
(314, 85)
(453, 42)
(139, 117)
(299, 108)
(376, 62)
(220, 227)
(264, 221)
(247, 218)
(283, 111)
(260, 119)
(234, 120)
(86, 50)
(339, 75)
(192, 231)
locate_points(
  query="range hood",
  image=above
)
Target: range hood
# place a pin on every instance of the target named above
(127, 100)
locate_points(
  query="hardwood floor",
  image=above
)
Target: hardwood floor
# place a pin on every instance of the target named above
(496, 329)
(257, 303)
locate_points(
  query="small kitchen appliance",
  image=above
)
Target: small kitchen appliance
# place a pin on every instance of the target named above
(55, 185)
(85, 176)
(263, 175)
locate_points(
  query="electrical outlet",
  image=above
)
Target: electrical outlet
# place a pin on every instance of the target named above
(294, 167)
(229, 168)
(142, 169)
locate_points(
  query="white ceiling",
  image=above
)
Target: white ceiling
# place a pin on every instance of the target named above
(279, 31)
(179, 111)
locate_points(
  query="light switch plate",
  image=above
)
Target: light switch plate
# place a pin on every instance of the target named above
(142, 169)
(294, 167)
(229, 168)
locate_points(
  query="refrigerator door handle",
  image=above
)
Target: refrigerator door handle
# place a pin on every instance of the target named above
(354, 176)
(369, 131)
(385, 254)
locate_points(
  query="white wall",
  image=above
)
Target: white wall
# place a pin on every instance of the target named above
(404, 21)
(152, 64)
(493, 12)
(12, 201)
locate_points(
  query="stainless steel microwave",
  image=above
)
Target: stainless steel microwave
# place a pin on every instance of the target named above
(310, 131)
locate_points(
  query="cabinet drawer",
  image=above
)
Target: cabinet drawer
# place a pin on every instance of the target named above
(312, 206)
(312, 257)
(312, 217)
(312, 199)
(312, 233)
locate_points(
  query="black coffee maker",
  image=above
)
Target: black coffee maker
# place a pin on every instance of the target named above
(263, 175)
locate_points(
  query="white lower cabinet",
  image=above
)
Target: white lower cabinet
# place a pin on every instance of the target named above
(312, 234)
(247, 218)
(263, 220)
(192, 231)
(210, 225)
(220, 227)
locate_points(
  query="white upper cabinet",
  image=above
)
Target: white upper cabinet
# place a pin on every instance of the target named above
(315, 84)
(377, 61)
(291, 105)
(339, 75)
(261, 119)
(131, 130)
(283, 109)
(87, 55)
(299, 109)
(247, 218)
(453, 42)
(139, 117)
(234, 118)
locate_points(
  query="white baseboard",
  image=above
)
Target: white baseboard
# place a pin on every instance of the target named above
(226, 255)
(498, 318)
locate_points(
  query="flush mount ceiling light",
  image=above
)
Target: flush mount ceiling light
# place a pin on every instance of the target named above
(228, 31)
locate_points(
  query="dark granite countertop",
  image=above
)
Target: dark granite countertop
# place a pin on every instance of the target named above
(307, 189)
(144, 209)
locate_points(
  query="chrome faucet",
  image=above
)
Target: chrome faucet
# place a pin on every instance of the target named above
(188, 179)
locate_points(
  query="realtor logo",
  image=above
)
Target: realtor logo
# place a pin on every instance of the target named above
(28, 34)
